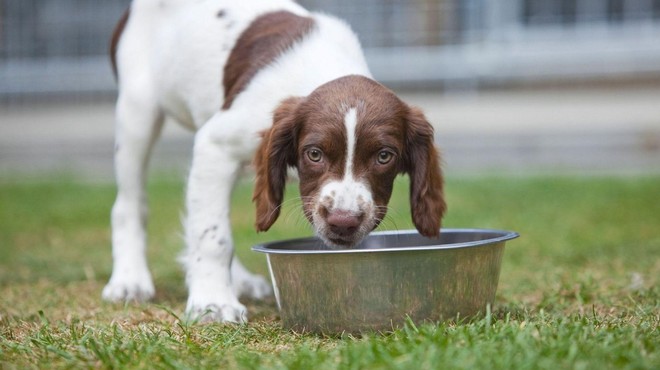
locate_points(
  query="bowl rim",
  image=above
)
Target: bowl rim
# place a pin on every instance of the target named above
(503, 235)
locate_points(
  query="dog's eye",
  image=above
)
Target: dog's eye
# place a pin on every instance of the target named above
(315, 155)
(385, 156)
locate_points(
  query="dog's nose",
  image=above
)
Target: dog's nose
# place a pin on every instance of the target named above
(343, 223)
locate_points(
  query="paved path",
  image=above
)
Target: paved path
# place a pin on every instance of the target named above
(565, 131)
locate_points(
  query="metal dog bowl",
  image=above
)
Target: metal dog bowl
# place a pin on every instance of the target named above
(389, 277)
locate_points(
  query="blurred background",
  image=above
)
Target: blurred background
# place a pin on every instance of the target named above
(512, 86)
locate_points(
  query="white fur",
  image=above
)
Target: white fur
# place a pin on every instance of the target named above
(170, 62)
(350, 121)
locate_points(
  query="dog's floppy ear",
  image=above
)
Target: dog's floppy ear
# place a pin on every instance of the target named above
(422, 164)
(276, 152)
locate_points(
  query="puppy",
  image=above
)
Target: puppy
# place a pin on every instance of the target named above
(268, 80)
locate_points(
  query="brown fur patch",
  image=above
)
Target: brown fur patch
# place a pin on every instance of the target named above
(267, 37)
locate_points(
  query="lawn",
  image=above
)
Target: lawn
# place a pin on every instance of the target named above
(579, 289)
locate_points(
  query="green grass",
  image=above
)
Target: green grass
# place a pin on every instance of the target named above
(578, 289)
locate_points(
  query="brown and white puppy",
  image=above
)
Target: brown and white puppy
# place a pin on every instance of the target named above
(262, 76)
(348, 140)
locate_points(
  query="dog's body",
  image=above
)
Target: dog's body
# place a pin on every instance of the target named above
(234, 72)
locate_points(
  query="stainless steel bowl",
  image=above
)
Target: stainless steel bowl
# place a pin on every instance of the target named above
(389, 277)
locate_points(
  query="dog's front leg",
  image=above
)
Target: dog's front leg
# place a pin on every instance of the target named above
(209, 252)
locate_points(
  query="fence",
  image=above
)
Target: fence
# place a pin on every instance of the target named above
(60, 46)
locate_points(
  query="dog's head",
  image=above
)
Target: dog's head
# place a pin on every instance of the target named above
(348, 140)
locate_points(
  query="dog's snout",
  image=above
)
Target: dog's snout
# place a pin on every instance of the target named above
(344, 223)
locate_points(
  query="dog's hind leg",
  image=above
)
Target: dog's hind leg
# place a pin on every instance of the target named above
(139, 121)
(247, 284)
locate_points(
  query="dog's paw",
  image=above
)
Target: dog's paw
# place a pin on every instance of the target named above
(248, 285)
(129, 290)
(224, 313)
(252, 286)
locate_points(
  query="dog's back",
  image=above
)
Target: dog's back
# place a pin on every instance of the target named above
(181, 53)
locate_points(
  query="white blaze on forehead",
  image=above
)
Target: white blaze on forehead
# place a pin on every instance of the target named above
(350, 120)
(348, 194)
